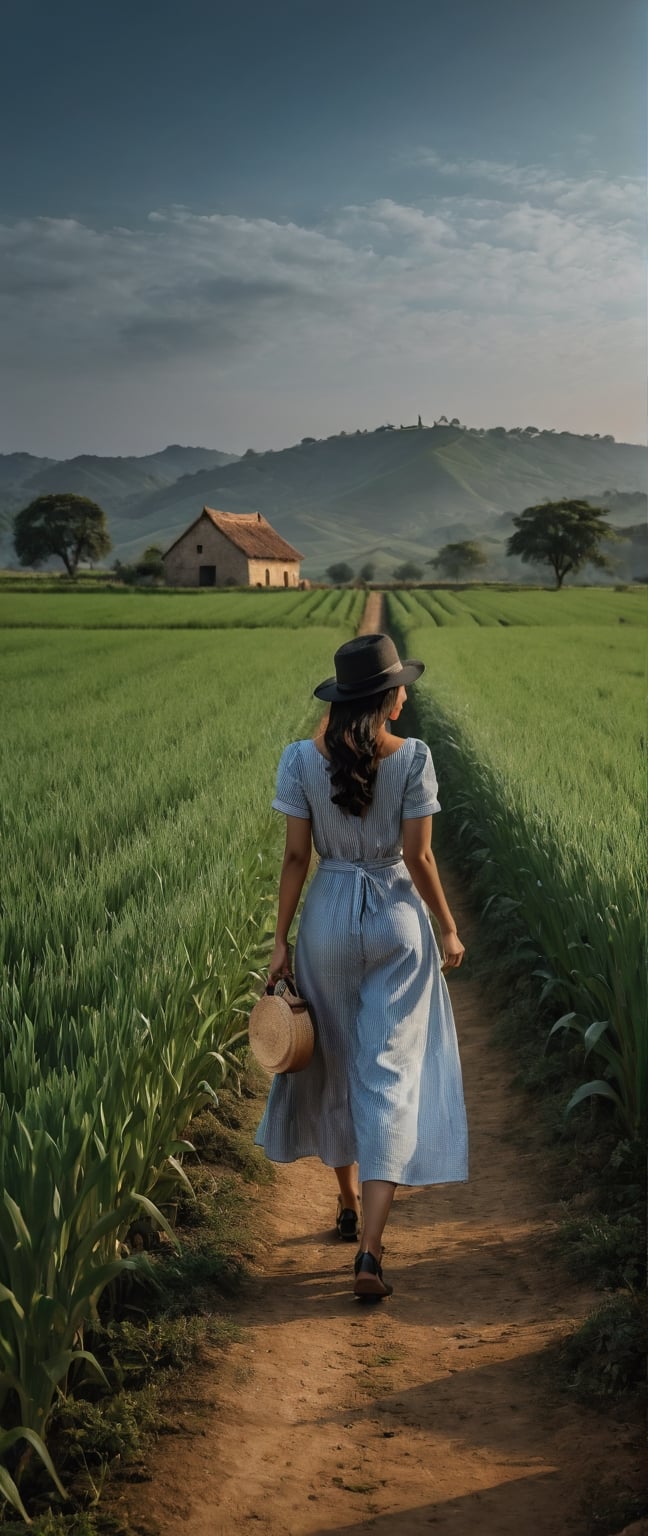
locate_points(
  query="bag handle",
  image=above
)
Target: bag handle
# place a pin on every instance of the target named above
(285, 987)
(289, 981)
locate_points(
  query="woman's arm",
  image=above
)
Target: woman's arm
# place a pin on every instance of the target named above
(295, 867)
(422, 866)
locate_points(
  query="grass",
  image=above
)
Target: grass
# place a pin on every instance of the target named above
(491, 607)
(608, 1251)
(140, 851)
(536, 733)
(206, 608)
(537, 738)
(161, 1325)
(606, 1356)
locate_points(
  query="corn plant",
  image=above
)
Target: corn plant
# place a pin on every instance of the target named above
(136, 913)
(539, 763)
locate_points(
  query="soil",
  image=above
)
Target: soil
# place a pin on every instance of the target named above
(436, 1409)
(373, 616)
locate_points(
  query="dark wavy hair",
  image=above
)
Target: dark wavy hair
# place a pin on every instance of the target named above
(350, 740)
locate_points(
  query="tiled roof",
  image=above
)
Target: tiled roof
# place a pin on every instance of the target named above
(253, 534)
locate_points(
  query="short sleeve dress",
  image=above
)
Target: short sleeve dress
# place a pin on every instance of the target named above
(384, 1086)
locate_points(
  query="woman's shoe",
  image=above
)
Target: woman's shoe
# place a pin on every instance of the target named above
(346, 1223)
(356, 1261)
(369, 1283)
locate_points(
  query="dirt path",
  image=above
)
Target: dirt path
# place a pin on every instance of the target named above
(373, 615)
(432, 1410)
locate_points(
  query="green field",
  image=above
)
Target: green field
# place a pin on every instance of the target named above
(486, 608)
(140, 861)
(208, 609)
(538, 733)
(140, 856)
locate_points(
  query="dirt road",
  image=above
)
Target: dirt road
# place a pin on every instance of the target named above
(435, 1409)
(373, 617)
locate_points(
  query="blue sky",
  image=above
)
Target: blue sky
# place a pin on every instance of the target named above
(235, 224)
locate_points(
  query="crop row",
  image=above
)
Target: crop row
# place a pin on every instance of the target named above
(537, 738)
(139, 862)
(488, 609)
(205, 609)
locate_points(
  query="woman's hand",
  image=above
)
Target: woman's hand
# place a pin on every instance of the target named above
(453, 949)
(280, 961)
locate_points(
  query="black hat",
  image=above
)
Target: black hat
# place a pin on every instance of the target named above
(368, 664)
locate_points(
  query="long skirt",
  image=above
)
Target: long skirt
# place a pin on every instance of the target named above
(384, 1086)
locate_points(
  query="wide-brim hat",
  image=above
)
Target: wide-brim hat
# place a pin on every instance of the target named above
(367, 664)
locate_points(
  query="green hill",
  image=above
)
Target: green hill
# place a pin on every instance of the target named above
(115, 480)
(387, 495)
(390, 495)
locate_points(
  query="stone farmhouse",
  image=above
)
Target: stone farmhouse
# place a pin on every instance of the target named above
(231, 549)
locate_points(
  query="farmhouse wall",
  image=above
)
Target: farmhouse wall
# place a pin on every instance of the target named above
(276, 569)
(182, 563)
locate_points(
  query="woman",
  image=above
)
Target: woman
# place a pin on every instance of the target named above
(383, 1089)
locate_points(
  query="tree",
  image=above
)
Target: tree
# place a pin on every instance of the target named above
(457, 559)
(339, 572)
(368, 570)
(151, 562)
(66, 525)
(562, 534)
(409, 571)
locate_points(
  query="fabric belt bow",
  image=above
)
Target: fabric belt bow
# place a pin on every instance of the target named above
(365, 888)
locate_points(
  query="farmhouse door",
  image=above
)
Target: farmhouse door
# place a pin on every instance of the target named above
(207, 576)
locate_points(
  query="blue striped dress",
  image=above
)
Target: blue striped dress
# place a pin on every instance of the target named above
(384, 1086)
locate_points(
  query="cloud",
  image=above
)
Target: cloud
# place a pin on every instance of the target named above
(523, 275)
(594, 196)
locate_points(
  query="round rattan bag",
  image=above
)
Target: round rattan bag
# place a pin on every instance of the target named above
(281, 1031)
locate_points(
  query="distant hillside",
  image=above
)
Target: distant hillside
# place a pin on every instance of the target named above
(115, 483)
(390, 495)
(385, 495)
(17, 468)
(113, 479)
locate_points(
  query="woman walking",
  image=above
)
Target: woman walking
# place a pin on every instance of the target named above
(381, 1100)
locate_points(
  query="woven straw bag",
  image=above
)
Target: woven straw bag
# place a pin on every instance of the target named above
(281, 1031)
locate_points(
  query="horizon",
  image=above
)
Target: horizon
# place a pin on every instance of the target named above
(296, 217)
(344, 432)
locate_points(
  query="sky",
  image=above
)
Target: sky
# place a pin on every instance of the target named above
(237, 224)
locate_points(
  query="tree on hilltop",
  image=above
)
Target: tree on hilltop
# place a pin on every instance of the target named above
(66, 525)
(564, 535)
(455, 560)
